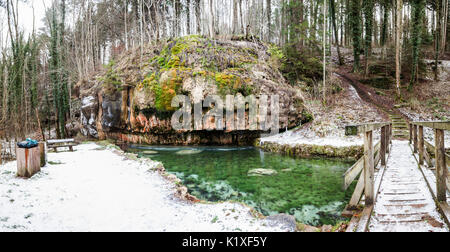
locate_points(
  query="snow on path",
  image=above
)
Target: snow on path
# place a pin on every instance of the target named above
(404, 203)
(97, 190)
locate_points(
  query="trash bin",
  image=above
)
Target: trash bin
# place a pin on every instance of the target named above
(28, 157)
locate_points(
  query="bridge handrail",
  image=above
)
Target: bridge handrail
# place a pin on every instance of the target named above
(440, 125)
(416, 137)
(366, 165)
(356, 129)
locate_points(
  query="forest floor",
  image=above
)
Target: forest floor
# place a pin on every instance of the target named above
(98, 189)
(350, 105)
(360, 101)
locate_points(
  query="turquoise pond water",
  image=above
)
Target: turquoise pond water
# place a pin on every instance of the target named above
(309, 189)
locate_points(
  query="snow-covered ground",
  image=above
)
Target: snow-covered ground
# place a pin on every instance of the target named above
(96, 189)
(429, 133)
(295, 138)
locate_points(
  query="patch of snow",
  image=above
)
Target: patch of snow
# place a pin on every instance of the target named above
(354, 94)
(87, 101)
(428, 133)
(93, 189)
(292, 138)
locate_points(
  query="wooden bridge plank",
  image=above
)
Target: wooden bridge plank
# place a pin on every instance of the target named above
(404, 206)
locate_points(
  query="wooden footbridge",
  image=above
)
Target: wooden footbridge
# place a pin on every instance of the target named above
(402, 181)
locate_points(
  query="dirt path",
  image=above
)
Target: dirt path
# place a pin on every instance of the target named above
(383, 104)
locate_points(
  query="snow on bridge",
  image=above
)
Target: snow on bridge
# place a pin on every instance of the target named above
(403, 195)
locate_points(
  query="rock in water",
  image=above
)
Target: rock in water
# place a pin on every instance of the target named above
(189, 152)
(261, 172)
(149, 152)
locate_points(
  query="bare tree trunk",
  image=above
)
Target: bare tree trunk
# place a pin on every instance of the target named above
(188, 17)
(212, 32)
(438, 38)
(242, 17)
(176, 25)
(198, 17)
(235, 17)
(269, 20)
(444, 25)
(336, 35)
(398, 33)
(324, 51)
(126, 25)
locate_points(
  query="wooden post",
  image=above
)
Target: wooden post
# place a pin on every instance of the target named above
(390, 136)
(387, 139)
(415, 138)
(28, 162)
(369, 169)
(410, 133)
(441, 167)
(421, 146)
(43, 153)
(383, 144)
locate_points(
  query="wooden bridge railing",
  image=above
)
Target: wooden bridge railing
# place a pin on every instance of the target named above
(373, 154)
(416, 137)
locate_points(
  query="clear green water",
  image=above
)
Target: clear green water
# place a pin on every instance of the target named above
(309, 189)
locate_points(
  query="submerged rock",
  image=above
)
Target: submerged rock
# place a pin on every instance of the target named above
(261, 172)
(189, 152)
(149, 152)
(286, 220)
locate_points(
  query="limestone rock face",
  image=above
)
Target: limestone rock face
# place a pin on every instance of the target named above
(112, 111)
(131, 99)
(89, 112)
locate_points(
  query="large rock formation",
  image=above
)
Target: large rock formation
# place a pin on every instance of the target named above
(131, 99)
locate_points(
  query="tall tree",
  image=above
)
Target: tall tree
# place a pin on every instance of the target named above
(384, 28)
(417, 14)
(437, 41)
(176, 23)
(398, 32)
(335, 30)
(355, 11)
(188, 16)
(269, 19)
(368, 18)
(212, 31)
(235, 24)
(198, 17)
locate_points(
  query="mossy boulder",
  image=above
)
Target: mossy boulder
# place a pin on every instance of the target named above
(136, 90)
